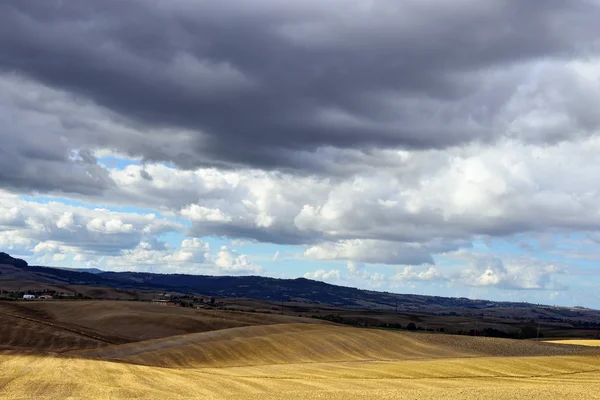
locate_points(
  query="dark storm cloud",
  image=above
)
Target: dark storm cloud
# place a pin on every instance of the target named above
(29, 170)
(286, 235)
(38, 152)
(256, 83)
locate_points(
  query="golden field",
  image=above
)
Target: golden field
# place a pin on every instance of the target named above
(592, 343)
(76, 350)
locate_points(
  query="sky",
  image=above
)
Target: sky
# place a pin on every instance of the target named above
(436, 147)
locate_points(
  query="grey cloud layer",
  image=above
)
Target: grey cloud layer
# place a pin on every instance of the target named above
(379, 132)
(255, 85)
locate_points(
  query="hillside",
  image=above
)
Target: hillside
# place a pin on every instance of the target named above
(117, 349)
(308, 343)
(271, 289)
(90, 324)
(548, 378)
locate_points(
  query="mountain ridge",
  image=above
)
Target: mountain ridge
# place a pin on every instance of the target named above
(252, 287)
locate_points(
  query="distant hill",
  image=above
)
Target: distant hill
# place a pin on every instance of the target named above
(8, 260)
(89, 270)
(251, 287)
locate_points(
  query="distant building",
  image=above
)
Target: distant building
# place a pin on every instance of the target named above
(46, 297)
(163, 302)
(28, 296)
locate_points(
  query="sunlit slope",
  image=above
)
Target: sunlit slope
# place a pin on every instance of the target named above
(305, 343)
(274, 344)
(590, 343)
(308, 361)
(574, 377)
(51, 357)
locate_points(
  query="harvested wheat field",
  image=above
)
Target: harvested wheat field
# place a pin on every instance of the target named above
(120, 322)
(576, 342)
(240, 358)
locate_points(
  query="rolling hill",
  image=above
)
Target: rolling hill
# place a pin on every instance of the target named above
(261, 288)
(35, 325)
(117, 349)
(308, 343)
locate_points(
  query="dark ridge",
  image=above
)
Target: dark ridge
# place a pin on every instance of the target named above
(7, 259)
(252, 287)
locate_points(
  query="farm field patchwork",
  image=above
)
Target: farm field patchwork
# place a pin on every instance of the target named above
(282, 358)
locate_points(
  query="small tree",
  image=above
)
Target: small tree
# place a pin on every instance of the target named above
(528, 332)
(411, 326)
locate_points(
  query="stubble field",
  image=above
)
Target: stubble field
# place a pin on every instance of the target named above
(116, 350)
